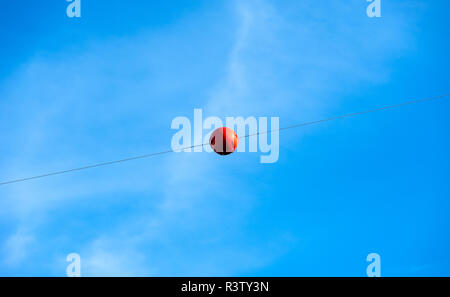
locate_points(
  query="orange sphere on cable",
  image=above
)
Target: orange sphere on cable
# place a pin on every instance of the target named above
(224, 141)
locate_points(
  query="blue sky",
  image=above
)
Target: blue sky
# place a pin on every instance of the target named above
(107, 86)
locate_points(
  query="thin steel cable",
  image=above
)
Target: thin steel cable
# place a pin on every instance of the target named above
(351, 114)
(246, 136)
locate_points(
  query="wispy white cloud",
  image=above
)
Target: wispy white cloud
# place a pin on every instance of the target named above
(15, 249)
(104, 257)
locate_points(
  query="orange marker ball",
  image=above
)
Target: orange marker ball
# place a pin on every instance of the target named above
(224, 141)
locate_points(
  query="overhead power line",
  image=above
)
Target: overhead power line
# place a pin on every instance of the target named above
(304, 124)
